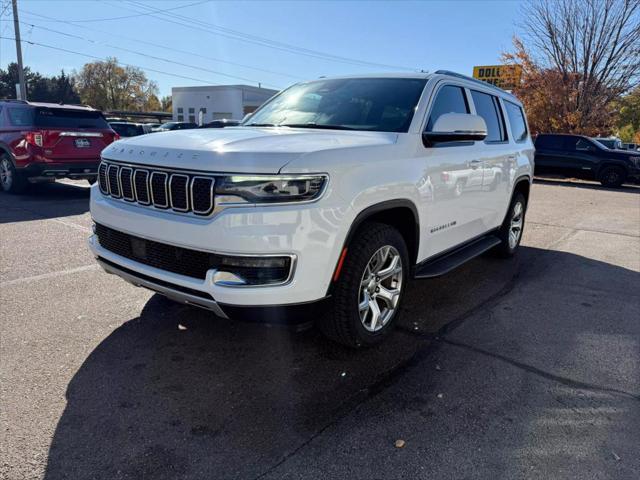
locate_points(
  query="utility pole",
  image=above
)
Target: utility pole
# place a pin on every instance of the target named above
(16, 27)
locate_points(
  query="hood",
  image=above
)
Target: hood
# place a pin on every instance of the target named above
(237, 149)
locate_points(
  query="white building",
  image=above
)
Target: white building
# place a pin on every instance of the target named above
(217, 102)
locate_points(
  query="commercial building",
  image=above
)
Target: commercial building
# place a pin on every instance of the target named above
(217, 102)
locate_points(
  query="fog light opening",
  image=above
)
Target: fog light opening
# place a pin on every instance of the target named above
(253, 271)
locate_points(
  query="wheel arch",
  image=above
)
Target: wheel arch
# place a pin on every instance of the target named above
(401, 214)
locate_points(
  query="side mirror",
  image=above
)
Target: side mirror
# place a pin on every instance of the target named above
(456, 127)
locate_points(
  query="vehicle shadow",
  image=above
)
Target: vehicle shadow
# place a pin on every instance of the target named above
(48, 200)
(177, 393)
(587, 184)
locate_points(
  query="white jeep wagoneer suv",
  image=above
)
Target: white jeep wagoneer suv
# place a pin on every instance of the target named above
(323, 204)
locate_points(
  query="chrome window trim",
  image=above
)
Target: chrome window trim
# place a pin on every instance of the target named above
(187, 192)
(211, 194)
(133, 198)
(117, 181)
(166, 194)
(135, 189)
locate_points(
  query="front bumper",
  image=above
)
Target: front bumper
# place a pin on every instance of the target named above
(309, 232)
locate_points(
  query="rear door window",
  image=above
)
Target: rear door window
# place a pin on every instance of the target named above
(62, 118)
(450, 99)
(488, 108)
(517, 122)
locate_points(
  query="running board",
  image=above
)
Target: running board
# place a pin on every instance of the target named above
(452, 260)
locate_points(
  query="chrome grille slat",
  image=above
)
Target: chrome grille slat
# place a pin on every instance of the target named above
(181, 192)
(202, 194)
(114, 182)
(126, 186)
(141, 187)
(102, 178)
(179, 202)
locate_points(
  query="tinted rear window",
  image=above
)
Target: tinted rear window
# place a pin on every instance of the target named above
(127, 129)
(551, 142)
(58, 117)
(516, 119)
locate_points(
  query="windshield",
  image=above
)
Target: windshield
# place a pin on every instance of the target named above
(72, 118)
(168, 125)
(374, 104)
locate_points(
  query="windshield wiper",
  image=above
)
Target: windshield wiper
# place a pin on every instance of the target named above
(259, 125)
(316, 125)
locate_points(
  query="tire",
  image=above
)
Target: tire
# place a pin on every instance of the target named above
(612, 177)
(11, 181)
(515, 219)
(376, 247)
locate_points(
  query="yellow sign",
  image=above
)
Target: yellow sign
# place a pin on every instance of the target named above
(506, 77)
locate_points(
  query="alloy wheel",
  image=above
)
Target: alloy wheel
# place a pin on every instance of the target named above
(515, 229)
(6, 175)
(380, 288)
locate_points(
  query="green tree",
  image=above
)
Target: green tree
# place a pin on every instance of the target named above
(109, 86)
(40, 88)
(167, 103)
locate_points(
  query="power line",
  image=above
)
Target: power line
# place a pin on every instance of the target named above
(60, 49)
(154, 57)
(164, 47)
(132, 16)
(254, 39)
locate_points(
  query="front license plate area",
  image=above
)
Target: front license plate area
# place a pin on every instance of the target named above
(139, 248)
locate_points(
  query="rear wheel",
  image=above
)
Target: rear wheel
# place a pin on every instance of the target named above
(11, 180)
(368, 293)
(612, 176)
(510, 232)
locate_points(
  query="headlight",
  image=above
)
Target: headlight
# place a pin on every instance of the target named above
(269, 189)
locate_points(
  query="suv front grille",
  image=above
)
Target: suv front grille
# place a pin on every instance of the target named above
(181, 192)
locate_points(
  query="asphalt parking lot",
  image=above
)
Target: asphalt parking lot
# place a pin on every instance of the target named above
(525, 368)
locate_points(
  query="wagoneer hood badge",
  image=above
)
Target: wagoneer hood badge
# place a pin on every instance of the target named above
(236, 149)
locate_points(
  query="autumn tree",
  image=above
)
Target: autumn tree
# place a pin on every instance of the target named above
(107, 85)
(578, 58)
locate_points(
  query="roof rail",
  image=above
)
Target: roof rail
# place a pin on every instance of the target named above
(13, 100)
(471, 79)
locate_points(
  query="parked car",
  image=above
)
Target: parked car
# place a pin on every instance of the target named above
(582, 157)
(610, 143)
(128, 129)
(225, 122)
(321, 205)
(41, 142)
(630, 146)
(165, 127)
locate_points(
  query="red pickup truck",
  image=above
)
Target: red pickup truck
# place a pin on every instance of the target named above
(40, 142)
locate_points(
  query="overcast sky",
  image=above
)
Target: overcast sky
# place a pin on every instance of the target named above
(191, 42)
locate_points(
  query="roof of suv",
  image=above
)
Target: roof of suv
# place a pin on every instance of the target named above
(429, 75)
(49, 105)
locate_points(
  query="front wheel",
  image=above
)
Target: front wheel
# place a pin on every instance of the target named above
(510, 232)
(370, 287)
